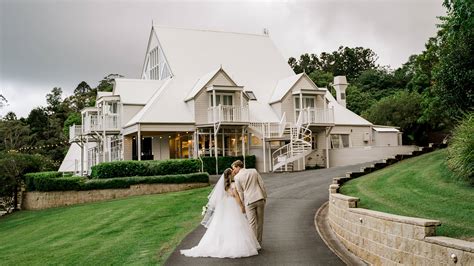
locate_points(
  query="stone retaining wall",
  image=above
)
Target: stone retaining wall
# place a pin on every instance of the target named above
(385, 239)
(43, 200)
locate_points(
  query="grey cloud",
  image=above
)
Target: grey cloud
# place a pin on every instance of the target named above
(60, 43)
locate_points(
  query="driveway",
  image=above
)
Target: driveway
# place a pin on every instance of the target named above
(289, 235)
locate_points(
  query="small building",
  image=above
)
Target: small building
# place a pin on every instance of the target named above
(211, 93)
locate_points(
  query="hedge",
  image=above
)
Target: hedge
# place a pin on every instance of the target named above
(31, 177)
(80, 183)
(145, 168)
(226, 162)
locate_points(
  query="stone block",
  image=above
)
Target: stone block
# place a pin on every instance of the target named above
(408, 230)
(467, 258)
(439, 253)
(458, 256)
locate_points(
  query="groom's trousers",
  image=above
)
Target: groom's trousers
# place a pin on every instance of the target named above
(255, 212)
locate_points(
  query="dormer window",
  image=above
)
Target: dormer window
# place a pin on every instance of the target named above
(226, 99)
(251, 95)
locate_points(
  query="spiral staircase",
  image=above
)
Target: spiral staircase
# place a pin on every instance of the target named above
(299, 147)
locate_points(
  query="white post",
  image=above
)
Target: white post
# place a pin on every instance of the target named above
(82, 157)
(243, 145)
(139, 143)
(215, 152)
(264, 155)
(214, 105)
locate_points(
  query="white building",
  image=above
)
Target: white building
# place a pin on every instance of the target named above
(211, 93)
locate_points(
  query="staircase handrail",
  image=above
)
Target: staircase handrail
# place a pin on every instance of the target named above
(282, 125)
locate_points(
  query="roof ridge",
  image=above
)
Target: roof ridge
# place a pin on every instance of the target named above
(210, 30)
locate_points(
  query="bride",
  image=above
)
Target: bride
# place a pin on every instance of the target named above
(228, 233)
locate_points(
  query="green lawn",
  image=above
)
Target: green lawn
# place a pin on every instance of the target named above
(136, 230)
(420, 187)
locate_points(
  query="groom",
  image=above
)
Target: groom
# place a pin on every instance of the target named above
(252, 192)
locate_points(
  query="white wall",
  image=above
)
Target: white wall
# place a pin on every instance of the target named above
(129, 111)
(386, 138)
(355, 155)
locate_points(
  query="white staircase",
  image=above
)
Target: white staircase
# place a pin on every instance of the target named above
(299, 147)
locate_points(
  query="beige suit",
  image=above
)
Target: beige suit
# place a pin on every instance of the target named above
(252, 192)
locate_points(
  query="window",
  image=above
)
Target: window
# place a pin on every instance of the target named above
(157, 65)
(340, 141)
(251, 95)
(308, 102)
(222, 99)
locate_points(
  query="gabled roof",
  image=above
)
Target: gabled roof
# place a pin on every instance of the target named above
(283, 86)
(153, 109)
(136, 91)
(203, 81)
(343, 116)
(251, 60)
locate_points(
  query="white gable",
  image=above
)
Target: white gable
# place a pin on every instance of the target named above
(219, 76)
(251, 61)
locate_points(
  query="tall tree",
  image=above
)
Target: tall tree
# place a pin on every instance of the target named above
(106, 84)
(454, 76)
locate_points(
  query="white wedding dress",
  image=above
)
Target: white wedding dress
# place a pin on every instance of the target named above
(228, 234)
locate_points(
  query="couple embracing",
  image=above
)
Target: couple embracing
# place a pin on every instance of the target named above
(234, 216)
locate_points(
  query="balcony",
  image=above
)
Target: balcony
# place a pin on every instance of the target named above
(228, 114)
(317, 116)
(75, 132)
(97, 122)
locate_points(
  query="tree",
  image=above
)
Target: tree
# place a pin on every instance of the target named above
(454, 75)
(357, 100)
(401, 109)
(350, 62)
(14, 134)
(13, 166)
(106, 84)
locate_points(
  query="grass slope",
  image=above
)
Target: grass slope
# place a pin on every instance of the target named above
(137, 230)
(419, 187)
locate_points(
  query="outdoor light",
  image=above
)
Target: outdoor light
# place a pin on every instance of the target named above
(360, 220)
(454, 258)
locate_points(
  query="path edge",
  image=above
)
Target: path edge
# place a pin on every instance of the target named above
(330, 239)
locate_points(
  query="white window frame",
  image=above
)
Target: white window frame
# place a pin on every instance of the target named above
(221, 94)
(341, 143)
(297, 100)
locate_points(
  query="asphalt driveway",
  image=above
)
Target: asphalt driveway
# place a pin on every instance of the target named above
(289, 235)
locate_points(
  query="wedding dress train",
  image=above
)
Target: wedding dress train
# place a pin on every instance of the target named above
(228, 234)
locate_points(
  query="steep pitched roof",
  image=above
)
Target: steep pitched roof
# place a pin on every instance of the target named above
(283, 86)
(203, 81)
(251, 60)
(153, 109)
(343, 116)
(136, 91)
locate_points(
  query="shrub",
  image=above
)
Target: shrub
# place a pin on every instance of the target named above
(79, 183)
(226, 162)
(145, 168)
(58, 184)
(31, 177)
(461, 149)
(126, 182)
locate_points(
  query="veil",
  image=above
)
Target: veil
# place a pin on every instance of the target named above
(216, 196)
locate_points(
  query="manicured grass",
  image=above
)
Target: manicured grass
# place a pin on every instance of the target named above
(419, 187)
(137, 230)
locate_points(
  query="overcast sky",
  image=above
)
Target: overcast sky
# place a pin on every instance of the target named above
(46, 44)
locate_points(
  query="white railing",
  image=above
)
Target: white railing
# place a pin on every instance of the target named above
(98, 122)
(299, 147)
(224, 113)
(75, 131)
(316, 116)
